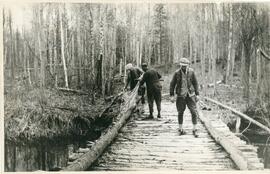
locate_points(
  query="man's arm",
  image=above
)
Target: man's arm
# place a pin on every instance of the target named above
(159, 76)
(127, 80)
(140, 71)
(143, 78)
(195, 84)
(172, 85)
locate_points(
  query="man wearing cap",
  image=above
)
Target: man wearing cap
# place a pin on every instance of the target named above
(185, 84)
(152, 79)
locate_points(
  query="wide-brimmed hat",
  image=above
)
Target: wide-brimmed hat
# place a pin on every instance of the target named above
(184, 62)
(129, 66)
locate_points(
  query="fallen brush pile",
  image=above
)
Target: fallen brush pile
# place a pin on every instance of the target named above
(49, 114)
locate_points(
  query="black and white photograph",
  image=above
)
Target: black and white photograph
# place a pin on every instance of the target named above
(136, 86)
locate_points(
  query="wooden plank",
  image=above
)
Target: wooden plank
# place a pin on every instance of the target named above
(157, 144)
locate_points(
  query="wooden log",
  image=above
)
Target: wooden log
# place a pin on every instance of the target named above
(244, 116)
(228, 143)
(236, 155)
(86, 160)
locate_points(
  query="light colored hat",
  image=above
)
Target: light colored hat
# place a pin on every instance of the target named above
(129, 66)
(184, 62)
(144, 64)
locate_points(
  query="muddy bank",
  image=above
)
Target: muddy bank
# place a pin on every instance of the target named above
(47, 114)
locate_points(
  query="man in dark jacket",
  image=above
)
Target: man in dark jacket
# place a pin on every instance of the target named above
(185, 84)
(152, 79)
(133, 75)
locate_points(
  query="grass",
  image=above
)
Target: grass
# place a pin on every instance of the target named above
(48, 113)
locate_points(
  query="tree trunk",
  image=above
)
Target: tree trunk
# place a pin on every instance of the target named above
(228, 69)
(79, 57)
(258, 79)
(93, 65)
(55, 57)
(63, 50)
(12, 48)
(41, 47)
(204, 49)
(214, 47)
(246, 73)
(137, 53)
(149, 35)
(233, 59)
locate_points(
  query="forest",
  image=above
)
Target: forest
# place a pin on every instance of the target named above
(84, 48)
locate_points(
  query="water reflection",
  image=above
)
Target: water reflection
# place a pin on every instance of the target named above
(260, 141)
(31, 157)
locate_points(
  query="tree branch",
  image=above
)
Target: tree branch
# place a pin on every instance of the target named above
(264, 54)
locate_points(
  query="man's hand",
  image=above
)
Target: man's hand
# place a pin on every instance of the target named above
(197, 98)
(172, 99)
(140, 78)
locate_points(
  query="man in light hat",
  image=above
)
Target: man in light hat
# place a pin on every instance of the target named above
(185, 84)
(133, 74)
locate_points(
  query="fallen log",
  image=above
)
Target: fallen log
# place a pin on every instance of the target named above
(87, 159)
(64, 108)
(73, 91)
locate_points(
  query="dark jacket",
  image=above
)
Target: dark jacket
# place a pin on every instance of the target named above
(177, 81)
(132, 77)
(151, 78)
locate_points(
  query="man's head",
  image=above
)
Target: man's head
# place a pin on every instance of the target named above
(129, 67)
(184, 63)
(144, 66)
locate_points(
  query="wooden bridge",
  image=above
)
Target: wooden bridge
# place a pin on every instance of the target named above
(156, 145)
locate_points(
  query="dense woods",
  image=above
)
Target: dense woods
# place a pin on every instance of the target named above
(85, 46)
(64, 66)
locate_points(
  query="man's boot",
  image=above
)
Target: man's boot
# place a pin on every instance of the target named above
(195, 133)
(158, 116)
(150, 116)
(181, 131)
(143, 100)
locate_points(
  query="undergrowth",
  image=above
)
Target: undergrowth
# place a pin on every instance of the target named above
(48, 113)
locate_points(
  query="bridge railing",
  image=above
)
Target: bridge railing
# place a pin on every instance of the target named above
(239, 116)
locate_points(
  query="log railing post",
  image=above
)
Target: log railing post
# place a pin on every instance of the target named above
(238, 123)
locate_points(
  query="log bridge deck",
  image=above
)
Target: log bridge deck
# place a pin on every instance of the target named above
(156, 144)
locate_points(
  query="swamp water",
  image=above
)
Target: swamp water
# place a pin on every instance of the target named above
(260, 141)
(43, 156)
